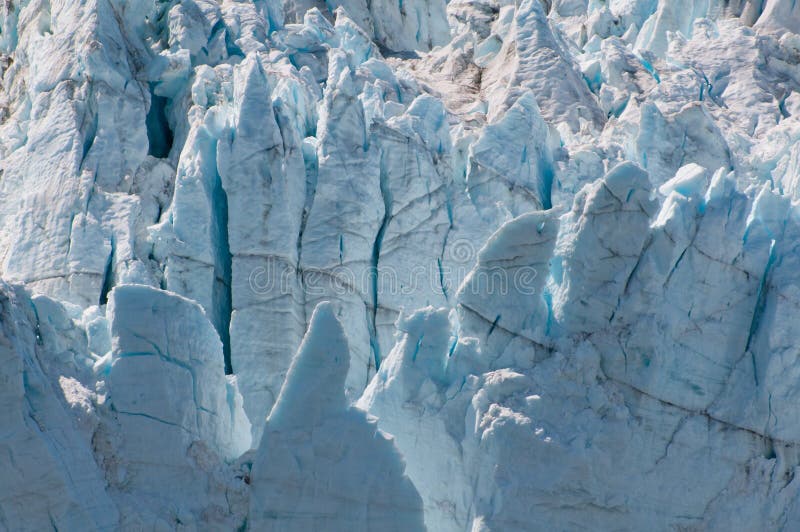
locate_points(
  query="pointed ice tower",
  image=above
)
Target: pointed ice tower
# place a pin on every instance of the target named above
(323, 465)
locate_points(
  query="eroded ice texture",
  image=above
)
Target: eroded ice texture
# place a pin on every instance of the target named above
(323, 464)
(358, 265)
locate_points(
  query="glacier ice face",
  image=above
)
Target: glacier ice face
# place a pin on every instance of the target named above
(467, 265)
(303, 471)
(599, 244)
(411, 396)
(166, 390)
(50, 478)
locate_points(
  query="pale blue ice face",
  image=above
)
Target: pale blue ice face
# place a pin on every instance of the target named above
(399, 265)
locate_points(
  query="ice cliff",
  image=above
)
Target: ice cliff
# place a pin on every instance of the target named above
(365, 265)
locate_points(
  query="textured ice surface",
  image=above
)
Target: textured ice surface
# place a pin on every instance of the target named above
(372, 265)
(303, 472)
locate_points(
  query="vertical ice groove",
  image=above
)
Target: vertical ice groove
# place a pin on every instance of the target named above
(386, 196)
(223, 265)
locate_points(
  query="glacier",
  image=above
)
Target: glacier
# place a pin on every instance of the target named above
(465, 265)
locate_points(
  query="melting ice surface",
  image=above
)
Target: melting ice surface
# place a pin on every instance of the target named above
(458, 266)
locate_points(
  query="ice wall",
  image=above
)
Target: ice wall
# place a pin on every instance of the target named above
(467, 265)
